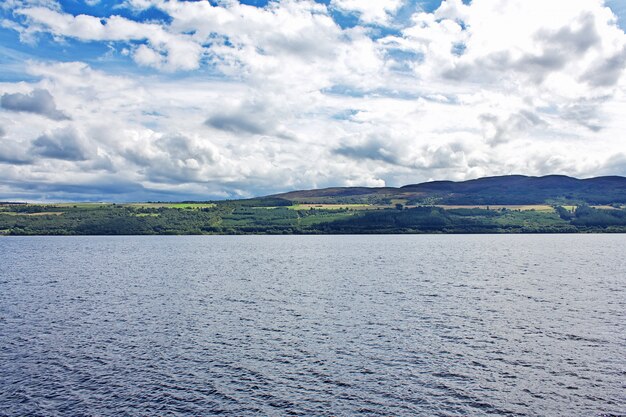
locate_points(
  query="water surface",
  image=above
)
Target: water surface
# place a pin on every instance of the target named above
(512, 325)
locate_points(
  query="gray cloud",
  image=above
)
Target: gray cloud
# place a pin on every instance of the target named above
(183, 148)
(559, 47)
(109, 185)
(585, 113)
(12, 158)
(537, 66)
(256, 116)
(501, 130)
(65, 144)
(236, 123)
(442, 158)
(577, 41)
(372, 149)
(38, 102)
(172, 159)
(555, 50)
(546, 163)
(12, 152)
(615, 165)
(608, 72)
(113, 188)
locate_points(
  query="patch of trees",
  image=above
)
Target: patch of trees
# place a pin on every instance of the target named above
(588, 216)
(563, 213)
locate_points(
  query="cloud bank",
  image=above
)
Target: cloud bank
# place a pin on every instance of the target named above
(200, 100)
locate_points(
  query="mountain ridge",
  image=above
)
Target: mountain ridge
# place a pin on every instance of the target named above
(506, 189)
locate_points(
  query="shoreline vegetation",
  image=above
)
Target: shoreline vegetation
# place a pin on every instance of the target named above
(510, 204)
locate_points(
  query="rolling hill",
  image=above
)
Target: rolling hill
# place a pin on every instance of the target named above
(510, 189)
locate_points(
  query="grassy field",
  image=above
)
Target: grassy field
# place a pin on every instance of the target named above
(601, 207)
(530, 207)
(608, 207)
(135, 205)
(187, 206)
(332, 207)
(305, 206)
(322, 217)
(76, 205)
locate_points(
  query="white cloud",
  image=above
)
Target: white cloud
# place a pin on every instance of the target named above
(178, 51)
(18, 4)
(144, 55)
(373, 12)
(284, 98)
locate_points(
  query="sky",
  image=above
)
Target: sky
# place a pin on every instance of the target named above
(155, 100)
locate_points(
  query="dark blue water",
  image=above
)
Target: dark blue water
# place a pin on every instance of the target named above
(313, 325)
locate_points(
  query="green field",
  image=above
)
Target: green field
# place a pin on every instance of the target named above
(171, 205)
(513, 207)
(332, 207)
(41, 213)
(76, 205)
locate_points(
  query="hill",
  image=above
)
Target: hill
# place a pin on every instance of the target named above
(510, 189)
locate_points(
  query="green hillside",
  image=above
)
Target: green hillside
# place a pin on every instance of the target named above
(512, 204)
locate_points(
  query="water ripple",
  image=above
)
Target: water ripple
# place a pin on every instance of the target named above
(313, 325)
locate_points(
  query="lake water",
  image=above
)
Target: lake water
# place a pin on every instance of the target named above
(453, 325)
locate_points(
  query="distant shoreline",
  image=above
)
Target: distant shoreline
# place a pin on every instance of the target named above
(495, 205)
(252, 218)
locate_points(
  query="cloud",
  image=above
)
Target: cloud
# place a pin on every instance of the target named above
(372, 149)
(453, 10)
(577, 38)
(235, 123)
(614, 165)
(18, 4)
(558, 47)
(248, 100)
(371, 12)
(257, 116)
(13, 152)
(498, 130)
(39, 101)
(83, 189)
(607, 72)
(66, 144)
(164, 49)
(172, 158)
